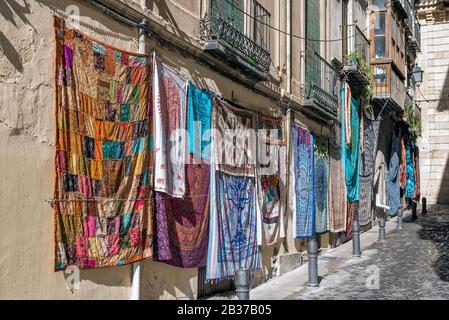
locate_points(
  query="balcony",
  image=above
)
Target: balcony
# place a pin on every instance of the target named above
(415, 39)
(229, 31)
(357, 56)
(319, 88)
(409, 19)
(389, 88)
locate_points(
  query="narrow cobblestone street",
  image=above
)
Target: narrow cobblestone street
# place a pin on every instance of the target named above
(412, 264)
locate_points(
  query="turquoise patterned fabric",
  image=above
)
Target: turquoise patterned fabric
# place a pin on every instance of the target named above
(410, 171)
(352, 167)
(199, 113)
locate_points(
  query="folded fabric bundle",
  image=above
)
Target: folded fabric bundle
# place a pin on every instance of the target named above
(103, 213)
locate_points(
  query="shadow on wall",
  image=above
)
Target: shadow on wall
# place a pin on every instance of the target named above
(10, 10)
(443, 102)
(436, 229)
(443, 105)
(166, 14)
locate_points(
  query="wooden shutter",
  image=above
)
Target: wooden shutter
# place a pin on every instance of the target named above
(229, 10)
(312, 32)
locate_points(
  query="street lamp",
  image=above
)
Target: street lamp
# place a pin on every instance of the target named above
(417, 74)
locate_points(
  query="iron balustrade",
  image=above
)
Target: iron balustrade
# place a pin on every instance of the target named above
(409, 20)
(357, 42)
(240, 25)
(320, 83)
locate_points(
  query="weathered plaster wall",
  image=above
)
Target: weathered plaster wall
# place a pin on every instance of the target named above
(27, 149)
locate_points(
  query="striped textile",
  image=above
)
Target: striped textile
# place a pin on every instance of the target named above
(169, 121)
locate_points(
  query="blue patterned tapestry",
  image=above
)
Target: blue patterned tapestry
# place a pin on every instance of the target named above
(393, 177)
(237, 233)
(410, 172)
(304, 179)
(321, 185)
(352, 167)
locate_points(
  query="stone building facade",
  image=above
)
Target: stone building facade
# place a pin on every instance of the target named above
(433, 99)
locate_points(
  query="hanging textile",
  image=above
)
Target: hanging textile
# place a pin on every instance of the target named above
(353, 211)
(169, 123)
(271, 178)
(182, 224)
(347, 109)
(321, 185)
(199, 121)
(352, 166)
(337, 181)
(304, 211)
(103, 216)
(410, 169)
(403, 165)
(235, 140)
(417, 176)
(234, 224)
(367, 164)
(393, 177)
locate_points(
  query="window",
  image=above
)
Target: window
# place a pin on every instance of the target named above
(379, 36)
(380, 74)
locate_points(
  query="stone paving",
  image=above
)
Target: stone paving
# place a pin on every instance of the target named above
(412, 263)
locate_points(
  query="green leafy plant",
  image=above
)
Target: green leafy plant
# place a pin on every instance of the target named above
(414, 122)
(367, 91)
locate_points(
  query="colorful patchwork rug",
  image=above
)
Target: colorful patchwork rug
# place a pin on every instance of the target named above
(169, 123)
(182, 225)
(271, 179)
(393, 176)
(304, 210)
(103, 216)
(321, 185)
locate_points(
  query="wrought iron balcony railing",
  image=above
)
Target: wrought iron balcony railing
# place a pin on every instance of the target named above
(320, 85)
(241, 26)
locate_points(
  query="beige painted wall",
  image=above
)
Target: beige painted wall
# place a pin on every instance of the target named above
(27, 145)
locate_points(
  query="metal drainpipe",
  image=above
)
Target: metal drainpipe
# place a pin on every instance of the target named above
(289, 49)
(135, 289)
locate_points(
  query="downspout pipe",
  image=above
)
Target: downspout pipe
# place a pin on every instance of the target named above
(289, 47)
(135, 287)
